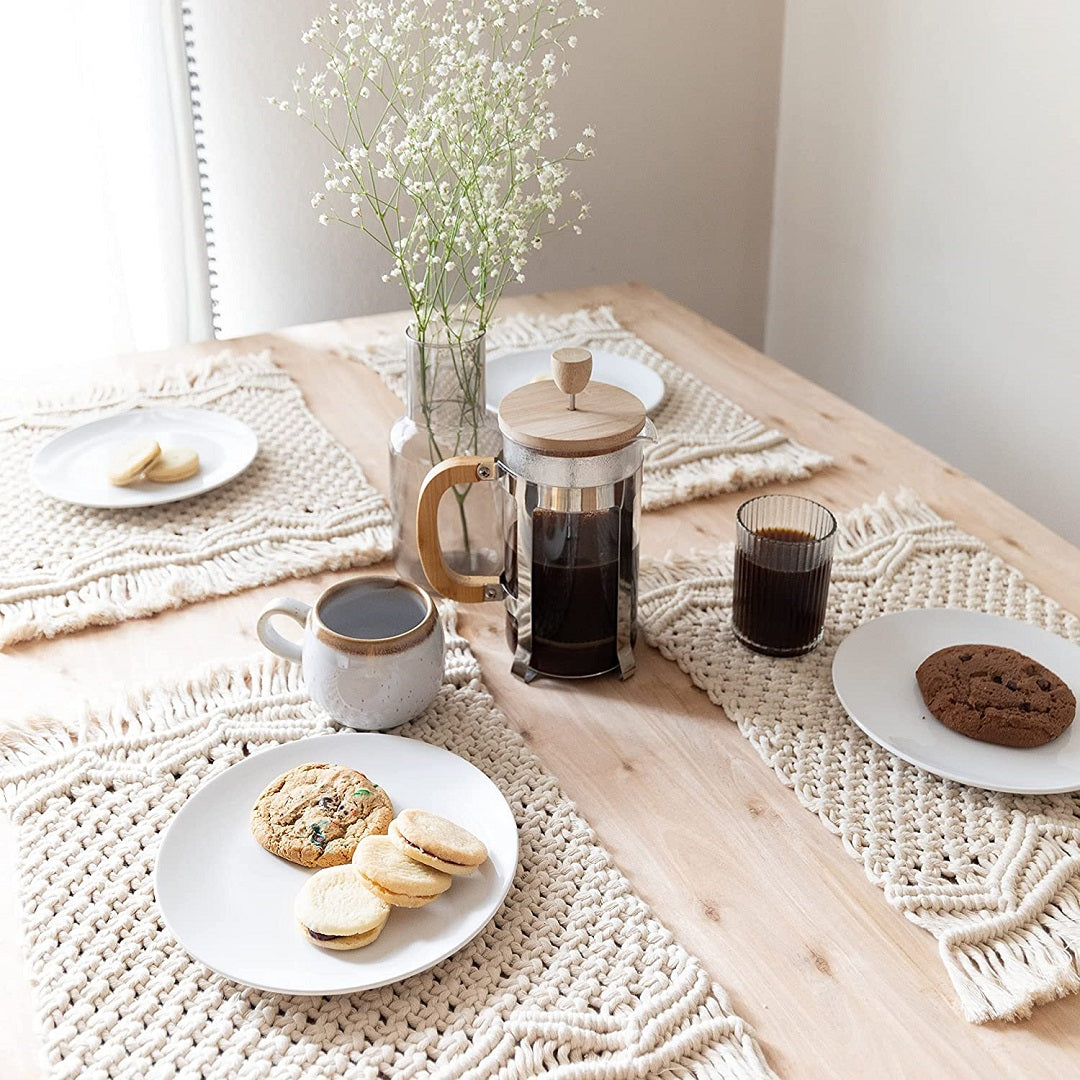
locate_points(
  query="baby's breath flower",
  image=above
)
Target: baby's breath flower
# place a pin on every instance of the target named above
(442, 139)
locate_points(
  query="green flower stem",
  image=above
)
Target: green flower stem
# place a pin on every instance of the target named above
(441, 131)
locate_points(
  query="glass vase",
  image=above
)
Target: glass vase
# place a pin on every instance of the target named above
(446, 416)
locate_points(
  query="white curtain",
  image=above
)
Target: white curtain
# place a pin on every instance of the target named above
(103, 233)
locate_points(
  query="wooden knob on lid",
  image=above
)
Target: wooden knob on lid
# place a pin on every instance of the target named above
(571, 368)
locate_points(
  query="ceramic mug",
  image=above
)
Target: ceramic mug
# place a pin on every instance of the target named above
(372, 649)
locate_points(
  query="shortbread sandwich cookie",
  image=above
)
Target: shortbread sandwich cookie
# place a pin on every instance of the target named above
(175, 463)
(437, 842)
(316, 814)
(336, 910)
(128, 464)
(392, 876)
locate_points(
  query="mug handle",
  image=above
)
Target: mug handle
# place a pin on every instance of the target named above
(295, 609)
(468, 588)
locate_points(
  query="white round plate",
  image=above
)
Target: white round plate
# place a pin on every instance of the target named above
(229, 901)
(74, 465)
(874, 675)
(506, 373)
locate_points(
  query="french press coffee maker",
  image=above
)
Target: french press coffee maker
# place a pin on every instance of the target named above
(570, 476)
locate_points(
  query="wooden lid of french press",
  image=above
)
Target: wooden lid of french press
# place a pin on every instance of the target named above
(569, 416)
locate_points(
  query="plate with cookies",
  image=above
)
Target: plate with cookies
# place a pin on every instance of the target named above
(981, 699)
(336, 863)
(144, 457)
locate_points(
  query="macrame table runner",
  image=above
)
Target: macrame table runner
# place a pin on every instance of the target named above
(573, 978)
(995, 878)
(303, 506)
(707, 445)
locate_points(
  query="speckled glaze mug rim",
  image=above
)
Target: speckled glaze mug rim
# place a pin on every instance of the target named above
(377, 646)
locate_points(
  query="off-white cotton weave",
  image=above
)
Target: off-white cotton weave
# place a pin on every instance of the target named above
(707, 444)
(304, 505)
(573, 978)
(995, 878)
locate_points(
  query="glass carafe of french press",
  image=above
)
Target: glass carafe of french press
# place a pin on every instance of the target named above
(570, 476)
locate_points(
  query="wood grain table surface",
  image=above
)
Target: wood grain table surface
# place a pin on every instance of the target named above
(834, 982)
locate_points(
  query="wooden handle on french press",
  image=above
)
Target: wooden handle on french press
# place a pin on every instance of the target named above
(468, 588)
(571, 368)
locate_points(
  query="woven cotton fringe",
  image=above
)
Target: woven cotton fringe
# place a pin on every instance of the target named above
(303, 506)
(707, 445)
(994, 877)
(574, 978)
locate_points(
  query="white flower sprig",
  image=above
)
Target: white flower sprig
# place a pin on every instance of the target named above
(442, 137)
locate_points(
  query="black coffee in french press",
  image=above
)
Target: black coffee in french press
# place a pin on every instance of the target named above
(570, 479)
(583, 565)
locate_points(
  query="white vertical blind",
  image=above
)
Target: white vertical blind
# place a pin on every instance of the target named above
(103, 240)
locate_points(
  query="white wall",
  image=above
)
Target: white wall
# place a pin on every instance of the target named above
(926, 232)
(683, 97)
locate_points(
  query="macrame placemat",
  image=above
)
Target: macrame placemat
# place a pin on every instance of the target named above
(707, 445)
(995, 878)
(573, 978)
(303, 506)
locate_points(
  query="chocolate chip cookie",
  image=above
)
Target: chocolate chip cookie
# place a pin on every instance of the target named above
(316, 814)
(995, 694)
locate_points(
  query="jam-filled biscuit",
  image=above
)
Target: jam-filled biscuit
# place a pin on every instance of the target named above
(128, 463)
(437, 842)
(172, 464)
(336, 910)
(392, 876)
(996, 695)
(316, 814)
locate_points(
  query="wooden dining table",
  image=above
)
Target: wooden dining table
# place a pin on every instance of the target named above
(833, 981)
